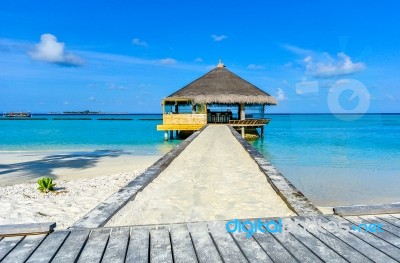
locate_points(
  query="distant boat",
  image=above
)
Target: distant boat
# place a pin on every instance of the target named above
(17, 115)
(86, 112)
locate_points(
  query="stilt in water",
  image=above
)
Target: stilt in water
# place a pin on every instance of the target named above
(166, 136)
(171, 134)
(243, 132)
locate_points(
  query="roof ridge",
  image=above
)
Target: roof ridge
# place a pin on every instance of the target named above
(221, 85)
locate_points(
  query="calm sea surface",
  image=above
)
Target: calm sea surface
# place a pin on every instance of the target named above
(333, 161)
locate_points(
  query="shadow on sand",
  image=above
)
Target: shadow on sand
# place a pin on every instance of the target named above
(44, 166)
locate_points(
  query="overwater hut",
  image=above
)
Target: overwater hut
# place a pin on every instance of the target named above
(219, 96)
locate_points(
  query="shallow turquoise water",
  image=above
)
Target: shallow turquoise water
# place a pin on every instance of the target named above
(136, 136)
(337, 161)
(333, 161)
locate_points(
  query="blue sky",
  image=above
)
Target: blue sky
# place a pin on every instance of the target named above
(125, 56)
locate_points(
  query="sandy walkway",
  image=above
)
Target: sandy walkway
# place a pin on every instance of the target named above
(214, 178)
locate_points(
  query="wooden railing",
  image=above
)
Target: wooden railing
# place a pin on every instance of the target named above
(184, 119)
(182, 122)
(251, 122)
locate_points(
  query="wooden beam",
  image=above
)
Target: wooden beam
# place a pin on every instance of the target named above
(26, 229)
(356, 210)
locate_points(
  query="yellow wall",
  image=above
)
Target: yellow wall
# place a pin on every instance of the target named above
(184, 119)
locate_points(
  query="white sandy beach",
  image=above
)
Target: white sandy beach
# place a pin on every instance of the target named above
(84, 180)
(23, 203)
(214, 178)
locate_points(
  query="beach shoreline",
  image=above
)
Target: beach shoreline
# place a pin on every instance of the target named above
(28, 166)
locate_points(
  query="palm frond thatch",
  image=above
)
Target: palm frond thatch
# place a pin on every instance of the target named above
(221, 86)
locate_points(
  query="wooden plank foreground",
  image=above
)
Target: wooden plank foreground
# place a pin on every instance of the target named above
(210, 242)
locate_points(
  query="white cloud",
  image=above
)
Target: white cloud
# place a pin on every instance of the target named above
(92, 99)
(280, 95)
(139, 42)
(167, 61)
(52, 51)
(66, 102)
(198, 60)
(218, 38)
(328, 66)
(323, 65)
(255, 67)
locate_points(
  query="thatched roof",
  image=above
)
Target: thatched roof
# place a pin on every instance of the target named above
(224, 87)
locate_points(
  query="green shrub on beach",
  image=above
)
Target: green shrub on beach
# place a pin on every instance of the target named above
(46, 185)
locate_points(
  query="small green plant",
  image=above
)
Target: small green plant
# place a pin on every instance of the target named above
(46, 185)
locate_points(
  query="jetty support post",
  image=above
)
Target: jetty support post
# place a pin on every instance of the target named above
(262, 131)
(165, 135)
(242, 131)
(171, 134)
(242, 111)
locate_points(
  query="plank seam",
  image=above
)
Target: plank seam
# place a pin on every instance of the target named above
(127, 245)
(348, 243)
(83, 246)
(62, 243)
(172, 249)
(320, 241)
(241, 250)
(359, 238)
(335, 238)
(390, 223)
(273, 236)
(215, 244)
(194, 247)
(105, 246)
(374, 235)
(12, 248)
(33, 251)
(312, 252)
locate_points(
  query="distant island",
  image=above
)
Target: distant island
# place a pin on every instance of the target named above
(86, 112)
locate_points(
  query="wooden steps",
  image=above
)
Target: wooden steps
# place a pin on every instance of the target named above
(210, 242)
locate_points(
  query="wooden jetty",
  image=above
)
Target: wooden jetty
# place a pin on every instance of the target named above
(210, 242)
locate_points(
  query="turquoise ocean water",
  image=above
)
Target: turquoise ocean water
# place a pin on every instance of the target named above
(333, 161)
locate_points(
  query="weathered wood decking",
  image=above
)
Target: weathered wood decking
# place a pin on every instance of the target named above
(210, 242)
